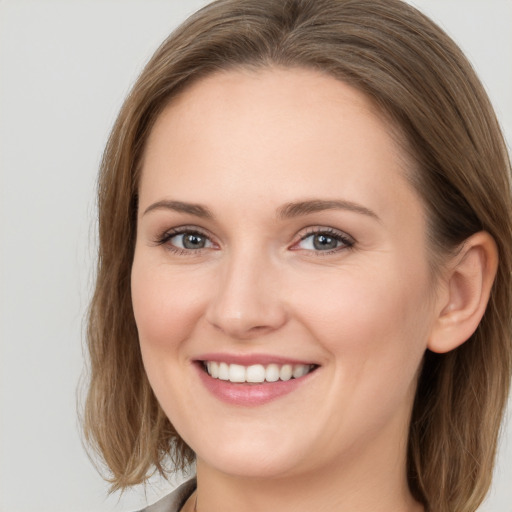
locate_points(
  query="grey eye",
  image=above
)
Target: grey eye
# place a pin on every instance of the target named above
(322, 242)
(190, 241)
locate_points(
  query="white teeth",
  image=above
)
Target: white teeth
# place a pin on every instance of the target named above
(286, 372)
(299, 370)
(272, 373)
(223, 371)
(236, 373)
(256, 373)
(213, 369)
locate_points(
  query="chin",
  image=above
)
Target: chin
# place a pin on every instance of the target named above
(262, 456)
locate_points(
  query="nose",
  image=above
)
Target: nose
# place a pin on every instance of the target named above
(247, 302)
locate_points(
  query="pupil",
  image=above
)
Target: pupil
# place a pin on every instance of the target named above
(193, 242)
(323, 242)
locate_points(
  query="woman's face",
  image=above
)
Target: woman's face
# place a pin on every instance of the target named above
(277, 235)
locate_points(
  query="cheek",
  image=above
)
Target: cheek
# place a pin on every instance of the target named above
(376, 332)
(378, 320)
(167, 308)
(167, 305)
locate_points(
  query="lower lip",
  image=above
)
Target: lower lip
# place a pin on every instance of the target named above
(245, 394)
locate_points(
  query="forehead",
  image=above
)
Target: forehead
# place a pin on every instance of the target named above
(237, 94)
(243, 130)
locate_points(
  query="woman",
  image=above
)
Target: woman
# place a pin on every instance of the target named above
(305, 264)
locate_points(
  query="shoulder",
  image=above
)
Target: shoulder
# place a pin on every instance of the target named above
(175, 500)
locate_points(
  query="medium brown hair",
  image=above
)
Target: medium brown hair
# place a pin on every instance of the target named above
(421, 80)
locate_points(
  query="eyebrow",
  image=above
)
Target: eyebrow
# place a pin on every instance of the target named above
(297, 209)
(181, 207)
(287, 211)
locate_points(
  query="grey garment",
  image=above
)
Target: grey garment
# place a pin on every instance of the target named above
(175, 500)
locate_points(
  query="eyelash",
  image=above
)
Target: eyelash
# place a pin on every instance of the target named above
(164, 239)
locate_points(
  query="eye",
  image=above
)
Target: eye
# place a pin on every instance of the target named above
(190, 241)
(185, 240)
(325, 240)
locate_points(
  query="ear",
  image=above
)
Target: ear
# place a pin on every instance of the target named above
(466, 287)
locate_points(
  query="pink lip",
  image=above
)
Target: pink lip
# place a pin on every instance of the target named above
(245, 394)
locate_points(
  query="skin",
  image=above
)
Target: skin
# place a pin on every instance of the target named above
(244, 144)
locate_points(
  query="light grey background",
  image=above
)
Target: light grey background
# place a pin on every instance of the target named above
(65, 67)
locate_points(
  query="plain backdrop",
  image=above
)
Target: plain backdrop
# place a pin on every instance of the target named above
(65, 67)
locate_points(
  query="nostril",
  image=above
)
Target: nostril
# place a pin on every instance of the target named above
(259, 328)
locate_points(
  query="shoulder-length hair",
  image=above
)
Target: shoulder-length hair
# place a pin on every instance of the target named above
(420, 79)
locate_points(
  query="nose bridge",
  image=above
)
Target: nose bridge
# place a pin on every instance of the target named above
(247, 301)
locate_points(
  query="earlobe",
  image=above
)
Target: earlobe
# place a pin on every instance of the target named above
(467, 287)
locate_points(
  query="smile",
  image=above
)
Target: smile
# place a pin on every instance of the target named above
(253, 379)
(256, 373)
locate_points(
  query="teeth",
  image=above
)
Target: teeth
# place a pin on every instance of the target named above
(236, 373)
(213, 369)
(299, 370)
(286, 372)
(256, 373)
(272, 373)
(223, 371)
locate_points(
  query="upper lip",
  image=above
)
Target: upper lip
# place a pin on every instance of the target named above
(250, 359)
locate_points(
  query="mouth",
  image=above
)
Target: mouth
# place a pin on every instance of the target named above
(252, 380)
(256, 373)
